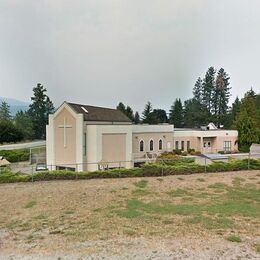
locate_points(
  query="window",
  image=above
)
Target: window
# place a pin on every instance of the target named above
(160, 144)
(176, 145)
(151, 145)
(141, 146)
(209, 144)
(227, 146)
(182, 145)
(85, 144)
(188, 145)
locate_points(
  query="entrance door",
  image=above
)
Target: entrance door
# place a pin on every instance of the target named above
(207, 146)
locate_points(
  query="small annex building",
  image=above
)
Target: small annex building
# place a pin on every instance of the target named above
(87, 138)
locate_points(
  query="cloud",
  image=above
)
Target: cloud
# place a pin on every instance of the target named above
(102, 52)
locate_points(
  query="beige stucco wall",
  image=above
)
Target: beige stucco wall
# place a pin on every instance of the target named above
(216, 139)
(67, 154)
(167, 142)
(70, 154)
(194, 142)
(114, 149)
(96, 142)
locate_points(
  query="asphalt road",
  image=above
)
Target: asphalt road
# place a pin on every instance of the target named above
(22, 145)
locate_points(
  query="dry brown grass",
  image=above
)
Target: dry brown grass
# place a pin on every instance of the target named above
(51, 214)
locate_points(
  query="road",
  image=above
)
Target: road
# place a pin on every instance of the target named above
(22, 145)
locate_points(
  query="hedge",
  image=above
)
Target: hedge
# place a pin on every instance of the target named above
(19, 155)
(153, 169)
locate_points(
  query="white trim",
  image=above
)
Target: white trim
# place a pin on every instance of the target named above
(66, 106)
(152, 129)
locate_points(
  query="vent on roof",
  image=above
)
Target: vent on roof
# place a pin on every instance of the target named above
(84, 109)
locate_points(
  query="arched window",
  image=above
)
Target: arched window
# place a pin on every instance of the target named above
(151, 145)
(141, 146)
(160, 144)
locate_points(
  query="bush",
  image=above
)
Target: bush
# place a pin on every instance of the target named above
(174, 160)
(9, 177)
(149, 169)
(9, 132)
(19, 155)
(184, 153)
(191, 151)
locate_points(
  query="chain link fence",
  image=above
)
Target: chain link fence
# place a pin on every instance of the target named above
(30, 169)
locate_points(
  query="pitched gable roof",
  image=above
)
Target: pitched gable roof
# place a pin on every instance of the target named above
(92, 113)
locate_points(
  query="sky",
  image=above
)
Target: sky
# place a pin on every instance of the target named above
(101, 52)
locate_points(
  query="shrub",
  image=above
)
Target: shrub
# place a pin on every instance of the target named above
(178, 151)
(179, 167)
(9, 177)
(191, 150)
(184, 153)
(19, 155)
(171, 159)
(9, 132)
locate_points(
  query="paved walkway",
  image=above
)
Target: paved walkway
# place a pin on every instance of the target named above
(22, 145)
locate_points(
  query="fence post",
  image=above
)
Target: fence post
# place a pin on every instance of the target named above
(32, 173)
(248, 161)
(205, 166)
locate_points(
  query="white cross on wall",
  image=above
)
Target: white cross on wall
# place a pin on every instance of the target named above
(65, 126)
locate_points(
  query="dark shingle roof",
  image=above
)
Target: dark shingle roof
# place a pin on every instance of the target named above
(103, 114)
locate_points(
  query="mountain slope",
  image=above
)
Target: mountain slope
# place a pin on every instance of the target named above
(15, 104)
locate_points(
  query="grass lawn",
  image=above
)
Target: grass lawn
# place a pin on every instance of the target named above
(203, 206)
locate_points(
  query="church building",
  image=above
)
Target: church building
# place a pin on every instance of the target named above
(88, 138)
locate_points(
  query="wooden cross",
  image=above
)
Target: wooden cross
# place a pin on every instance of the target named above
(65, 126)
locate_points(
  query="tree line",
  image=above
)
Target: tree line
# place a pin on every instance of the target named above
(209, 103)
(211, 95)
(26, 125)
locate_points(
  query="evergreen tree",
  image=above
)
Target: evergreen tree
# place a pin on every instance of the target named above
(232, 114)
(197, 90)
(195, 114)
(208, 86)
(121, 107)
(9, 133)
(247, 123)
(146, 115)
(5, 114)
(176, 113)
(23, 122)
(136, 118)
(220, 97)
(251, 93)
(39, 110)
(158, 116)
(129, 113)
